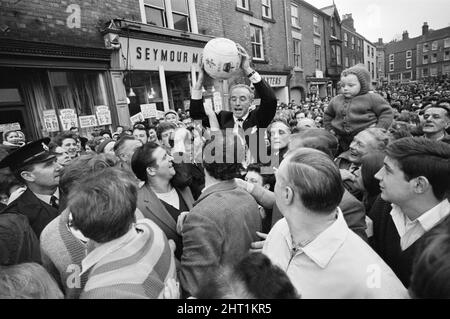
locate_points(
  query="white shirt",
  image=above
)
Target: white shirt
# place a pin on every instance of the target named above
(170, 198)
(336, 264)
(47, 198)
(410, 231)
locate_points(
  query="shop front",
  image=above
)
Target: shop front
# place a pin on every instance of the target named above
(158, 68)
(319, 87)
(48, 88)
(278, 82)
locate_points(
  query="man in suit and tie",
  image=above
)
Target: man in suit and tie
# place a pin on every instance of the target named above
(38, 169)
(241, 97)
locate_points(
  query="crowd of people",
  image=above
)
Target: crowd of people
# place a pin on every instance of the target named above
(343, 197)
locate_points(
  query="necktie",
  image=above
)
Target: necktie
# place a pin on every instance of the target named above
(54, 202)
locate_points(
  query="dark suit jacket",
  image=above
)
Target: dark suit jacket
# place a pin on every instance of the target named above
(152, 208)
(258, 118)
(39, 213)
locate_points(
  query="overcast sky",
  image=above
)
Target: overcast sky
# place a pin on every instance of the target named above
(388, 18)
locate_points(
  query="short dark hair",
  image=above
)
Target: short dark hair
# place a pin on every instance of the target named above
(431, 266)
(143, 158)
(103, 205)
(162, 127)
(442, 105)
(420, 156)
(267, 178)
(253, 277)
(59, 139)
(223, 155)
(316, 178)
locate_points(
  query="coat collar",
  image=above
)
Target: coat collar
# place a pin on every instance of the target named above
(219, 187)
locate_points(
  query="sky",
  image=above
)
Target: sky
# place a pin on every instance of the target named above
(388, 19)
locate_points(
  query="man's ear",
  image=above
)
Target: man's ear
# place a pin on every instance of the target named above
(28, 176)
(151, 171)
(421, 185)
(288, 195)
(266, 186)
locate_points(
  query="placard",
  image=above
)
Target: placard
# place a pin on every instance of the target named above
(10, 127)
(68, 119)
(137, 118)
(88, 121)
(208, 103)
(148, 110)
(50, 121)
(103, 115)
(217, 102)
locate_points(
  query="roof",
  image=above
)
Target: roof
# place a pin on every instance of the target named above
(330, 10)
(436, 34)
(403, 45)
(310, 6)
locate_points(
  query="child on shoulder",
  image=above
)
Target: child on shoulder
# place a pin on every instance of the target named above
(356, 108)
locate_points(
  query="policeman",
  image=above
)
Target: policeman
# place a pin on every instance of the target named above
(37, 168)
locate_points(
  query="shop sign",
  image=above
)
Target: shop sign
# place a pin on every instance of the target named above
(68, 119)
(50, 121)
(149, 55)
(137, 118)
(275, 80)
(103, 115)
(148, 110)
(10, 127)
(88, 121)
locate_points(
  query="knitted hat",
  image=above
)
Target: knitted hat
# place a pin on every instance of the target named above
(363, 76)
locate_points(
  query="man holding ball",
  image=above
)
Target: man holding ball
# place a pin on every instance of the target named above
(242, 121)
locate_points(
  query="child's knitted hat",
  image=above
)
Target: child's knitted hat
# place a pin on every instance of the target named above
(363, 76)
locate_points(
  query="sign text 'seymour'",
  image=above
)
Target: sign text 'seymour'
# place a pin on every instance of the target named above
(165, 55)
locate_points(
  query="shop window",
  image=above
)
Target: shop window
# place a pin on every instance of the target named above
(256, 37)
(266, 8)
(147, 89)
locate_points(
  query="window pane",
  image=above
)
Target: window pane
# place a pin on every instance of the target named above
(156, 3)
(180, 6)
(155, 16)
(180, 22)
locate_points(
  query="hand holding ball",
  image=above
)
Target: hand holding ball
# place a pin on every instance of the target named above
(221, 58)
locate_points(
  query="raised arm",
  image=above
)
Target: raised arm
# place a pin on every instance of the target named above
(265, 113)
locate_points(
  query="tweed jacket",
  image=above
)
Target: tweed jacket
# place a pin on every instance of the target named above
(218, 231)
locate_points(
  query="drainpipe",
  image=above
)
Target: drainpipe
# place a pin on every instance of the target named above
(287, 35)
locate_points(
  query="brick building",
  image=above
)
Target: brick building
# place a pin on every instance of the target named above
(306, 39)
(333, 41)
(370, 60)
(63, 61)
(352, 50)
(259, 26)
(381, 68)
(400, 59)
(433, 52)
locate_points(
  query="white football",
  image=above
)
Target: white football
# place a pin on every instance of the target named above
(221, 58)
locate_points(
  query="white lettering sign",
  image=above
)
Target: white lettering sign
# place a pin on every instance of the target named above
(103, 115)
(68, 119)
(148, 110)
(50, 121)
(149, 55)
(74, 19)
(88, 121)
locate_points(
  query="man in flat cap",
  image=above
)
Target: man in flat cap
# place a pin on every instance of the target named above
(34, 165)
